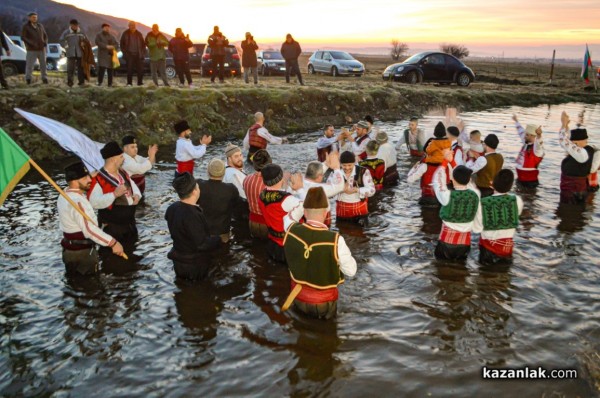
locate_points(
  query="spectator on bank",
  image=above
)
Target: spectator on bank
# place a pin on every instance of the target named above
(72, 40)
(6, 48)
(249, 61)
(217, 43)
(290, 50)
(107, 46)
(36, 40)
(133, 47)
(156, 43)
(178, 46)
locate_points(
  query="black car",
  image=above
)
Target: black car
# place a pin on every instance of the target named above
(270, 62)
(430, 67)
(196, 52)
(233, 66)
(122, 69)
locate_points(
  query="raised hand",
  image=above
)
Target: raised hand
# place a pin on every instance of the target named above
(205, 140)
(515, 118)
(334, 160)
(564, 119)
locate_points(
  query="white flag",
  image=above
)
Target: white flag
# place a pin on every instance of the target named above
(69, 138)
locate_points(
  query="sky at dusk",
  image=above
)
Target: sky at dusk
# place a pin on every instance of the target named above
(490, 27)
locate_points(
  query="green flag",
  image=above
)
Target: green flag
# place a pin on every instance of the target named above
(14, 164)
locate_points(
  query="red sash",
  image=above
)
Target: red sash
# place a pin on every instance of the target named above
(573, 184)
(527, 175)
(257, 218)
(500, 247)
(311, 295)
(350, 210)
(453, 237)
(66, 242)
(140, 181)
(188, 166)
(416, 153)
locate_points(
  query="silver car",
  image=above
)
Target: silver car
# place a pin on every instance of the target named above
(335, 63)
(270, 62)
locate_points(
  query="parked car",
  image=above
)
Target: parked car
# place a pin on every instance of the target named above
(430, 67)
(122, 69)
(270, 62)
(335, 63)
(233, 66)
(196, 52)
(14, 64)
(54, 52)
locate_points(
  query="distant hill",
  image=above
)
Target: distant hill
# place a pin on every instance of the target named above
(56, 17)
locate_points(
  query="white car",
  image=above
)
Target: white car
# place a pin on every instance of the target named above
(54, 52)
(14, 64)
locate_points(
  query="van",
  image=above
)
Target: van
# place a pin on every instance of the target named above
(14, 64)
(54, 52)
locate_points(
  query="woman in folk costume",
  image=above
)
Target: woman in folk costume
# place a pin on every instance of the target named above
(352, 203)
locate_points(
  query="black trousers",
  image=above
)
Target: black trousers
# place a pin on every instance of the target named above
(183, 70)
(445, 251)
(101, 71)
(292, 69)
(486, 257)
(72, 64)
(276, 252)
(218, 61)
(2, 78)
(326, 310)
(81, 262)
(134, 62)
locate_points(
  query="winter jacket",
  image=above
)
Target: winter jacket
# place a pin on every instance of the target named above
(291, 51)
(71, 41)
(179, 47)
(126, 40)
(249, 54)
(217, 44)
(34, 37)
(104, 54)
(157, 46)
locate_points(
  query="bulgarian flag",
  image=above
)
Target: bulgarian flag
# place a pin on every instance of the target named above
(587, 65)
(14, 164)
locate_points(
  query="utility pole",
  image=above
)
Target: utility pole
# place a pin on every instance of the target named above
(552, 65)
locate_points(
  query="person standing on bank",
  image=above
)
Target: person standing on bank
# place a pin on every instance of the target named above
(156, 43)
(107, 45)
(486, 167)
(179, 46)
(531, 154)
(257, 137)
(71, 40)
(36, 40)
(192, 241)
(317, 259)
(290, 50)
(217, 43)
(6, 48)
(135, 165)
(185, 151)
(133, 47)
(80, 235)
(249, 62)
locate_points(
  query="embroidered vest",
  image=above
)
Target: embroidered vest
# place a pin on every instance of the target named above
(273, 213)
(495, 161)
(461, 208)
(359, 173)
(363, 154)
(256, 140)
(120, 212)
(377, 169)
(499, 212)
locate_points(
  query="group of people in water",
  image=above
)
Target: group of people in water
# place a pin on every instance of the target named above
(457, 169)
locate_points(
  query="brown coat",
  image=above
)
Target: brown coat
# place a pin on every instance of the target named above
(88, 57)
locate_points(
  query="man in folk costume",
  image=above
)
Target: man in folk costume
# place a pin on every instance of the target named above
(453, 134)
(253, 186)
(234, 174)
(497, 221)
(135, 165)
(275, 203)
(487, 167)
(531, 154)
(577, 166)
(371, 131)
(375, 165)
(185, 151)
(318, 259)
(115, 196)
(352, 202)
(328, 142)
(80, 235)
(459, 208)
(359, 144)
(258, 137)
(192, 241)
(387, 152)
(414, 138)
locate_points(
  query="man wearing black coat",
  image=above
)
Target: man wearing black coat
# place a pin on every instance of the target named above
(133, 47)
(6, 48)
(249, 61)
(290, 50)
(217, 43)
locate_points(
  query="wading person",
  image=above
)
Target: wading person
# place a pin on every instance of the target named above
(133, 47)
(179, 47)
(497, 221)
(352, 203)
(317, 259)
(258, 137)
(107, 45)
(487, 167)
(290, 51)
(80, 236)
(531, 154)
(157, 44)
(72, 40)
(375, 165)
(253, 186)
(359, 144)
(218, 201)
(234, 174)
(413, 138)
(459, 208)
(249, 61)
(35, 38)
(6, 48)
(217, 43)
(185, 151)
(115, 196)
(453, 134)
(329, 142)
(135, 165)
(192, 241)
(387, 152)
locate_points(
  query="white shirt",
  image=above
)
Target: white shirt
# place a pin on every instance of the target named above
(264, 133)
(333, 186)
(479, 163)
(186, 151)
(324, 142)
(414, 140)
(500, 233)
(137, 165)
(70, 221)
(346, 262)
(459, 157)
(387, 152)
(358, 149)
(538, 147)
(596, 161)
(578, 153)
(235, 177)
(366, 191)
(442, 194)
(100, 200)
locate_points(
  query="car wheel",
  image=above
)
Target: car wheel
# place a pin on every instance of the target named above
(171, 72)
(51, 64)
(311, 70)
(9, 69)
(463, 79)
(334, 72)
(412, 77)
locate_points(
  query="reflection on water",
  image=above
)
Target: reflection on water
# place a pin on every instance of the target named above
(406, 325)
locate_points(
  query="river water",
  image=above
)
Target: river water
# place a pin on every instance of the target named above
(407, 325)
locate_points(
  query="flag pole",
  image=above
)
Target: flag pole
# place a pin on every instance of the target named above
(64, 195)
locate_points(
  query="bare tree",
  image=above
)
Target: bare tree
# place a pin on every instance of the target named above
(398, 49)
(459, 51)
